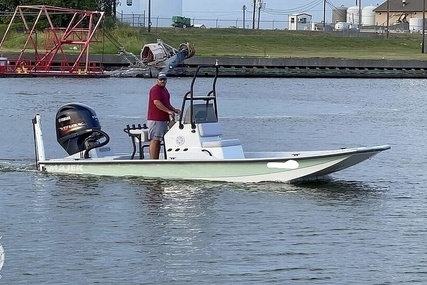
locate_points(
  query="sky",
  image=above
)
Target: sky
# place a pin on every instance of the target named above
(274, 10)
(229, 13)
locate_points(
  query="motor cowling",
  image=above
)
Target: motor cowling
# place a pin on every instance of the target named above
(78, 129)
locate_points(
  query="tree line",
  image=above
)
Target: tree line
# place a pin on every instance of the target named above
(7, 7)
(108, 6)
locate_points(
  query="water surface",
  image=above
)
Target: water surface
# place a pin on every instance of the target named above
(362, 225)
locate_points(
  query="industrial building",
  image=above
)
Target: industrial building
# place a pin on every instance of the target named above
(396, 15)
(401, 12)
(391, 15)
(300, 21)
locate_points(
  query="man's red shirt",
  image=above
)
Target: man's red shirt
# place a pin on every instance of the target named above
(161, 94)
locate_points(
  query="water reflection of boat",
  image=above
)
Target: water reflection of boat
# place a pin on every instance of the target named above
(193, 149)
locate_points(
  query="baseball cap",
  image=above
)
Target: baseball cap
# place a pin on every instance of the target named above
(162, 75)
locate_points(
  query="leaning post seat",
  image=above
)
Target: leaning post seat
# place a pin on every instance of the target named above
(210, 139)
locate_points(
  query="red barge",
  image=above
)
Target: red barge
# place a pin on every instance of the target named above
(52, 59)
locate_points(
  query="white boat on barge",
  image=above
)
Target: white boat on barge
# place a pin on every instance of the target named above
(193, 149)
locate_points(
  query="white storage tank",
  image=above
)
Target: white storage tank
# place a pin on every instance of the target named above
(133, 8)
(353, 15)
(339, 14)
(368, 16)
(342, 26)
(416, 25)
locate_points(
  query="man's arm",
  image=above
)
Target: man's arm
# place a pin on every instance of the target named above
(162, 107)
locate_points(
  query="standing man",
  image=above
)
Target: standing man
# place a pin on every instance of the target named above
(159, 110)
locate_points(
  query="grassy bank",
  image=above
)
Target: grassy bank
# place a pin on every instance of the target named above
(260, 43)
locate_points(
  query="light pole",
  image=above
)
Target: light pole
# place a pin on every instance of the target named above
(259, 12)
(388, 18)
(253, 16)
(324, 15)
(149, 15)
(244, 16)
(424, 27)
(360, 15)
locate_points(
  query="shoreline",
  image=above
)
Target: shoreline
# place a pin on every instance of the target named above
(234, 66)
(309, 67)
(314, 67)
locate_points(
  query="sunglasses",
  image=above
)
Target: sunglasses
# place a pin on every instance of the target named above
(163, 79)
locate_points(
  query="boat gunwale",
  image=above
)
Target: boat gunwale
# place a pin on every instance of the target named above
(111, 160)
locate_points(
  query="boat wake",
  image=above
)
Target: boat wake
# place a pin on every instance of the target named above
(256, 117)
(16, 165)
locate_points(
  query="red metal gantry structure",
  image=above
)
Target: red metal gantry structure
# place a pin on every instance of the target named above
(52, 59)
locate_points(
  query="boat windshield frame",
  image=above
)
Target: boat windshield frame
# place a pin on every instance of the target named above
(209, 99)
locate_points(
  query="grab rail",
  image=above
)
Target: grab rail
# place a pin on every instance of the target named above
(189, 96)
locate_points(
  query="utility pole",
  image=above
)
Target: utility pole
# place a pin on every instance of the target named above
(360, 15)
(244, 16)
(388, 18)
(259, 11)
(324, 15)
(149, 15)
(424, 27)
(253, 16)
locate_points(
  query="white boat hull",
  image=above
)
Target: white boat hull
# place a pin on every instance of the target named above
(310, 164)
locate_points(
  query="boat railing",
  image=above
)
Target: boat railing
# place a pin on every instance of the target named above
(209, 99)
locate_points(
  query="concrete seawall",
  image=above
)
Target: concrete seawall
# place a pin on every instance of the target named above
(282, 67)
(310, 67)
(295, 67)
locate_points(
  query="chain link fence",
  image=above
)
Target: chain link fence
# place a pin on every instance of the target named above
(141, 20)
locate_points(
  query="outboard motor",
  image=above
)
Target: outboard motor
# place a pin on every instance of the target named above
(78, 129)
